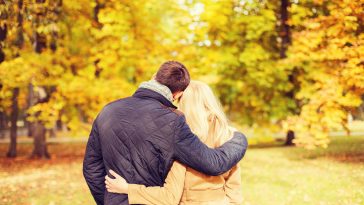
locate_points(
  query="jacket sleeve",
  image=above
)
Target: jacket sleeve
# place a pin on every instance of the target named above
(93, 167)
(169, 194)
(189, 150)
(233, 186)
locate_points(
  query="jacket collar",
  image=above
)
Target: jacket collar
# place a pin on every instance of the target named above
(145, 93)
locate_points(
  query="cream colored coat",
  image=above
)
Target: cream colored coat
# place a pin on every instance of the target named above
(186, 186)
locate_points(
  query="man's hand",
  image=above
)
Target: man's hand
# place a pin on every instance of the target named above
(117, 185)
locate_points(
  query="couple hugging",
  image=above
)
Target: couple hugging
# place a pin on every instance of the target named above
(143, 150)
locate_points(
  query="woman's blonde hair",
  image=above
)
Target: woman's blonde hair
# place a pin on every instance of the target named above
(204, 114)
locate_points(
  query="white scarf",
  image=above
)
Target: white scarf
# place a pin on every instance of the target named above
(159, 88)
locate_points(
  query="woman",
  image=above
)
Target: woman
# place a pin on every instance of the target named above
(184, 185)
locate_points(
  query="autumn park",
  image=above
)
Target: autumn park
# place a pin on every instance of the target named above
(288, 73)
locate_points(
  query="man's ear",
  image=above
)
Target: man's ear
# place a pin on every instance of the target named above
(177, 95)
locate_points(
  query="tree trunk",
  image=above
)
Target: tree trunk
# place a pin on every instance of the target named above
(98, 25)
(59, 124)
(359, 112)
(284, 28)
(40, 145)
(285, 41)
(14, 99)
(96, 11)
(19, 41)
(3, 33)
(2, 124)
(13, 120)
(289, 139)
(52, 132)
(37, 128)
(30, 103)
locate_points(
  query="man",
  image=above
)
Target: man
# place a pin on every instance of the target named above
(139, 137)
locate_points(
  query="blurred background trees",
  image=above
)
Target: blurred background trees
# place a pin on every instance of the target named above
(293, 65)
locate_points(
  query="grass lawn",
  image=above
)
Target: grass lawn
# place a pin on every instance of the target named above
(294, 176)
(271, 175)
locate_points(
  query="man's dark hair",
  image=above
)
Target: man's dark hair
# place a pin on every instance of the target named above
(174, 75)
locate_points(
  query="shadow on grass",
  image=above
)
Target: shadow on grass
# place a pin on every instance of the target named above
(61, 153)
(275, 144)
(343, 149)
(347, 149)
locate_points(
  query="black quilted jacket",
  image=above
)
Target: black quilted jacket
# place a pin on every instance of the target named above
(139, 137)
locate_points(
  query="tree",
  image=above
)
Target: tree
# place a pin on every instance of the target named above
(285, 39)
(327, 45)
(15, 90)
(273, 63)
(13, 121)
(263, 79)
(3, 34)
(245, 51)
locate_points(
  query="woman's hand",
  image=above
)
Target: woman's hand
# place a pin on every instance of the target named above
(117, 185)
